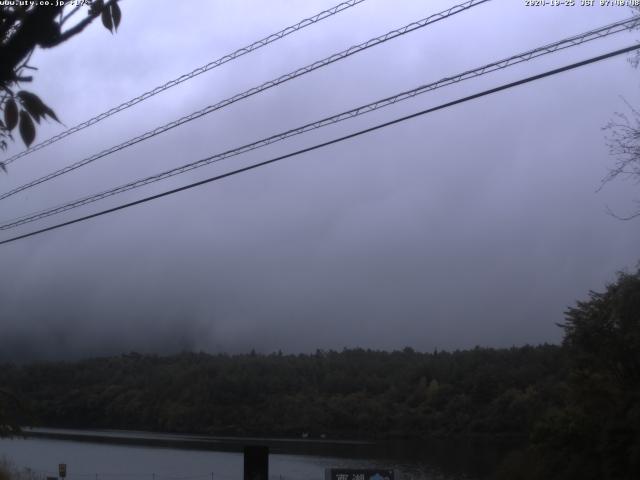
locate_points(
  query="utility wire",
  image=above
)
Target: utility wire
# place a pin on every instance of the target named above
(361, 110)
(331, 142)
(188, 76)
(253, 91)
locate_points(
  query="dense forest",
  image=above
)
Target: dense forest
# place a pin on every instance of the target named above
(578, 404)
(353, 393)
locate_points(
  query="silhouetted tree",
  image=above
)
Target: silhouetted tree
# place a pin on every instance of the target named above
(23, 28)
(623, 141)
(603, 340)
(595, 435)
(9, 405)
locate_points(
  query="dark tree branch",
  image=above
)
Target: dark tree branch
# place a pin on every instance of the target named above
(619, 217)
(37, 28)
(80, 26)
(69, 15)
(22, 29)
(76, 29)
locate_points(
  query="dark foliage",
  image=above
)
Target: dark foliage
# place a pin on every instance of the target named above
(10, 409)
(353, 393)
(25, 26)
(596, 434)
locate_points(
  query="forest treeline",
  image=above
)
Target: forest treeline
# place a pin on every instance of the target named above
(578, 404)
(352, 393)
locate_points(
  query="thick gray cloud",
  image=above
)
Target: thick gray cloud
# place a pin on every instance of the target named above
(476, 225)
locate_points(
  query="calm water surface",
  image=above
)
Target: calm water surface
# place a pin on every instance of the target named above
(88, 460)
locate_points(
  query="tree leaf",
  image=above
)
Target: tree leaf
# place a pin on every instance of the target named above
(32, 103)
(35, 106)
(116, 14)
(11, 114)
(96, 7)
(106, 20)
(27, 128)
(51, 113)
(3, 166)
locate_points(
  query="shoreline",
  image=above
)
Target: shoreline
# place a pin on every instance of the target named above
(194, 442)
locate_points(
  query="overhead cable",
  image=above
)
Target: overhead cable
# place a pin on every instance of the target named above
(361, 110)
(330, 142)
(188, 76)
(253, 91)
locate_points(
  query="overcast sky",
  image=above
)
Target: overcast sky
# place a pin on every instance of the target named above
(476, 225)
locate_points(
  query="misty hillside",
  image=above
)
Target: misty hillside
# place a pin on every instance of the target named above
(357, 393)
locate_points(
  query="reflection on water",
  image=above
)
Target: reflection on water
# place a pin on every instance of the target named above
(290, 460)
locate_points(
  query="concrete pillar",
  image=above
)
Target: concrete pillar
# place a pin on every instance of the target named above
(256, 463)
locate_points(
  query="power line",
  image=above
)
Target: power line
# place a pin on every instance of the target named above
(188, 76)
(361, 110)
(331, 142)
(253, 91)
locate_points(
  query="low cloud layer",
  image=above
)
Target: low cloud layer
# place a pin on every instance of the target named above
(477, 225)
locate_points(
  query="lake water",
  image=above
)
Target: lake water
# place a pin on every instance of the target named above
(97, 460)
